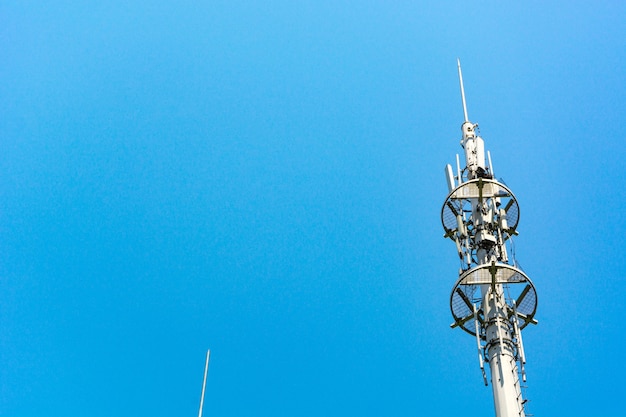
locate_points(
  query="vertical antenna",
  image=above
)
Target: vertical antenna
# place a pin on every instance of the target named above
(458, 62)
(206, 370)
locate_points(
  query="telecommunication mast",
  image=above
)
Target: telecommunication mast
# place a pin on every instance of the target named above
(493, 299)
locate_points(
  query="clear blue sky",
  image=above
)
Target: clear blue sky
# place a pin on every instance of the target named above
(265, 179)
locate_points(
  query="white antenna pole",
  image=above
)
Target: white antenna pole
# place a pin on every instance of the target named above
(206, 370)
(458, 63)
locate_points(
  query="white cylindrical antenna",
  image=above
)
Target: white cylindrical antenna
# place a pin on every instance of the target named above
(458, 169)
(450, 178)
(458, 62)
(481, 362)
(520, 343)
(206, 370)
(490, 165)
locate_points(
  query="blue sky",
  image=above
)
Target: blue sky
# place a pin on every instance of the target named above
(265, 178)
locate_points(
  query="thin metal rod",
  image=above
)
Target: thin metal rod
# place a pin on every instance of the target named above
(458, 62)
(206, 370)
(480, 348)
(490, 164)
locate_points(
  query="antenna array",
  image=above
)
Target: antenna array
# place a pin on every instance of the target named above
(493, 299)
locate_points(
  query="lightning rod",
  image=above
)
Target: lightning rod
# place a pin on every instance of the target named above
(206, 370)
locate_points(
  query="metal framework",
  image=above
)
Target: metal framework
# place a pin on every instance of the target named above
(493, 299)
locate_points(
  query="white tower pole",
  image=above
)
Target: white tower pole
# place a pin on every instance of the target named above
(505, 384)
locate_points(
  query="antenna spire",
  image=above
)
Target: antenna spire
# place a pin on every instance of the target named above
(458, 62)
(206, 369)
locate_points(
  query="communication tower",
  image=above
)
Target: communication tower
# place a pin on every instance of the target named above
(493, 299)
